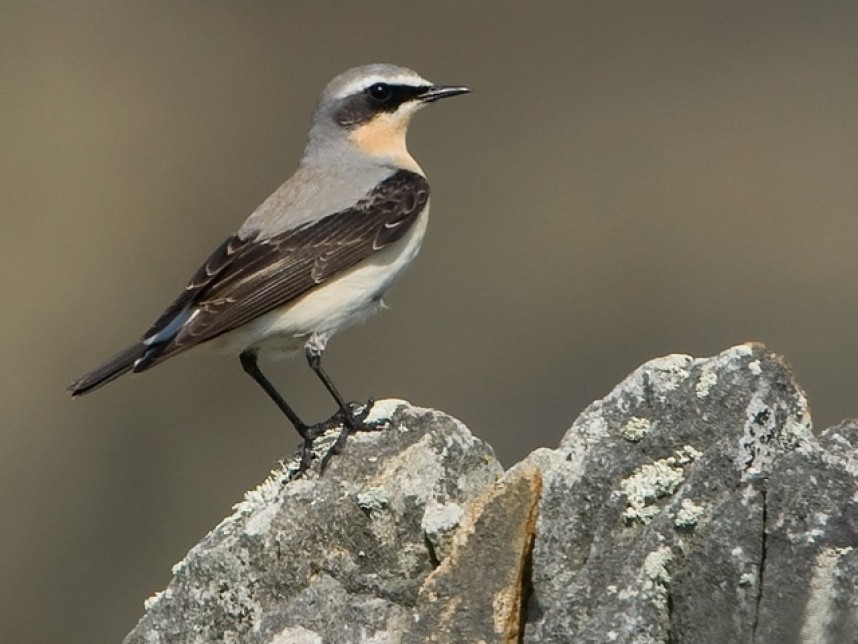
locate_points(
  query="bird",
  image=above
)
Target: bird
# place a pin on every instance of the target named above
(313, 258)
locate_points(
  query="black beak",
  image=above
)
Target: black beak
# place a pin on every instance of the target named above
(437, 92)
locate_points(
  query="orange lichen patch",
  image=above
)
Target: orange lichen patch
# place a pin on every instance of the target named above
(487, 560)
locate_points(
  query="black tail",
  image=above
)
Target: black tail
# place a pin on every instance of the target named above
(118, 365)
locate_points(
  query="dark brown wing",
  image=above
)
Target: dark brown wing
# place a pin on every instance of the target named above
(245, 279)
(207, 274)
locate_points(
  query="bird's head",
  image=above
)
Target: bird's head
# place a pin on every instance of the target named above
(370, 108)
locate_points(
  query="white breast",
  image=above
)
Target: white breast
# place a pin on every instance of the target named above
(334, 305)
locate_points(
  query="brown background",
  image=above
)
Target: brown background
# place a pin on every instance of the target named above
(627, 180)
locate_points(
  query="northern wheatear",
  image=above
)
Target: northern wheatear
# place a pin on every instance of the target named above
(318, 254)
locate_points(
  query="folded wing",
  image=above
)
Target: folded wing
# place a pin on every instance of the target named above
(244, 279)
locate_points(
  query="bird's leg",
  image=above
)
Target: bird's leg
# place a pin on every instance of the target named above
(351, 422)
(308, 433)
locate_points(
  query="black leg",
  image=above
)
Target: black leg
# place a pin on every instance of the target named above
(351, 423)
(314, 359)
(309, 434)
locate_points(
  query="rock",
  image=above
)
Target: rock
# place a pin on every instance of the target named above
(691, 504)
(810, 547)
(655, 510)
(337, 558)
(476, 593)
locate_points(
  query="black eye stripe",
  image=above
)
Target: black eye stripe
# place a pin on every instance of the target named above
(395, 94)
(373, 100)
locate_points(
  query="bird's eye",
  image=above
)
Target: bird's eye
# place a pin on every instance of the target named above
(380, 92)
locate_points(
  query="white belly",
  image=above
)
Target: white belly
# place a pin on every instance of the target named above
(335, 304)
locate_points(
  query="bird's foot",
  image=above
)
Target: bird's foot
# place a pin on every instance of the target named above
(352, 420)
(309, 433)
(357, 415)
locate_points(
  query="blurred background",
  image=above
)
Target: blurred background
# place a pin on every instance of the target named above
(627, 180)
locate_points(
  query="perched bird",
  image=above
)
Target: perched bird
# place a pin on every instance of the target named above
(314, 257)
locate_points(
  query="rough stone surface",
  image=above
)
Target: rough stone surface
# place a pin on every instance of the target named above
(810, 567)
(666, 535)
(476, 593)
(692, 504)
(337, 558)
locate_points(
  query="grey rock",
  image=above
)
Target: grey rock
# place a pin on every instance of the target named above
(337, 558)
(662, 506)
(692, 504)
(808, 591)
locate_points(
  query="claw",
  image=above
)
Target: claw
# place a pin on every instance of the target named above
(363, 414)
(306, 457)
(336, 448)
(352, 420)
(310, 433)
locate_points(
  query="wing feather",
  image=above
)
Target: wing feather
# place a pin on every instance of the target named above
(244, 279)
